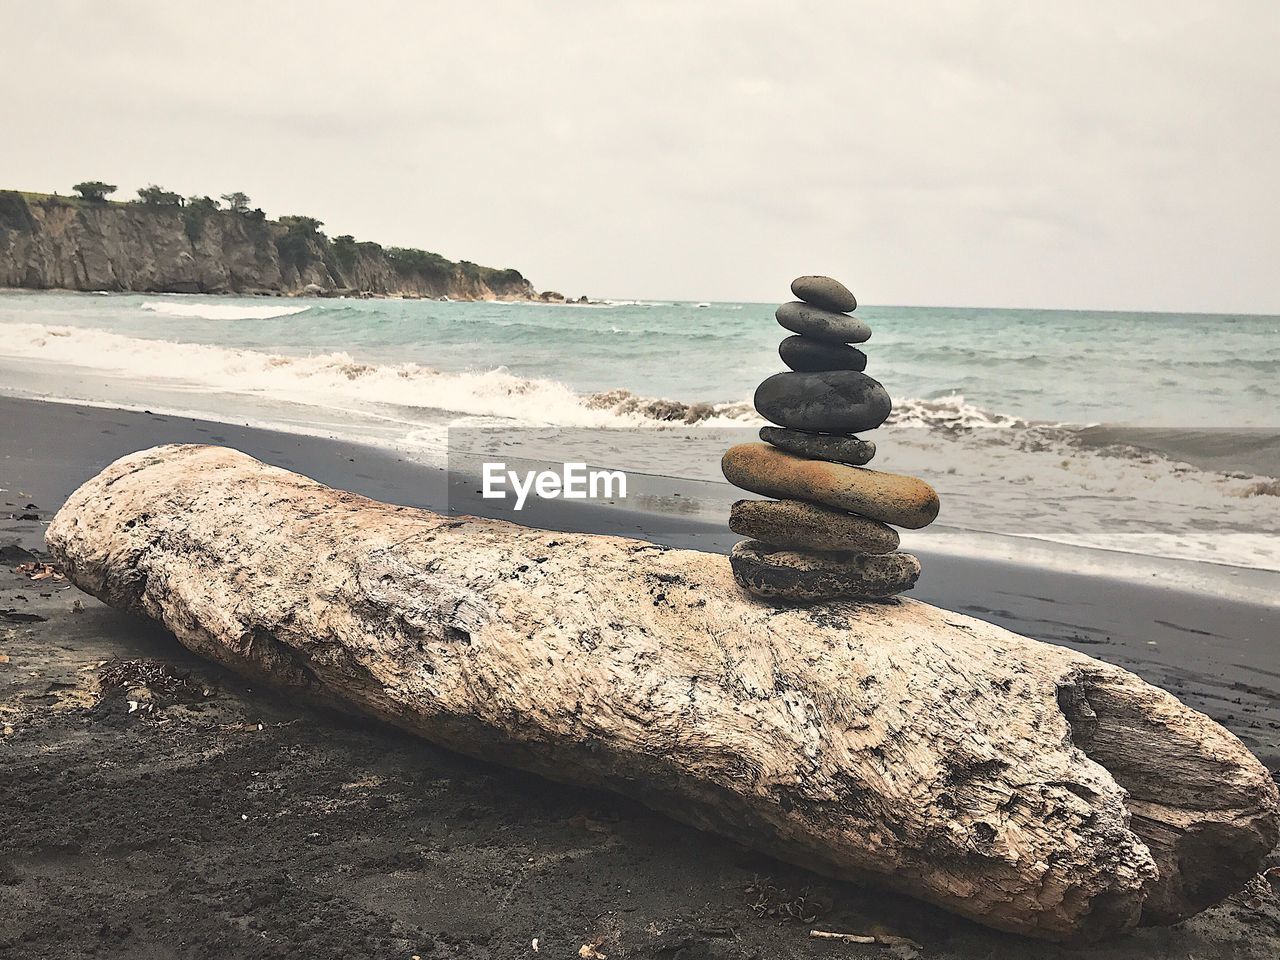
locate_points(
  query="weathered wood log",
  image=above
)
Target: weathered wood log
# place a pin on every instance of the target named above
(1021, 784)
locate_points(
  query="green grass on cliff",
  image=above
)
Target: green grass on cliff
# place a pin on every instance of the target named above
(56, 199)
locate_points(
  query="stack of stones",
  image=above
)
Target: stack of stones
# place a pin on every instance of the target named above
(828, 535)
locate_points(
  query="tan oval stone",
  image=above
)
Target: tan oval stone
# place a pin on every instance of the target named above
(774, 573)
(809, 526)
(889, 497)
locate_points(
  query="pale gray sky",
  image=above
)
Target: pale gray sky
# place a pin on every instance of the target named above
(1117, 154)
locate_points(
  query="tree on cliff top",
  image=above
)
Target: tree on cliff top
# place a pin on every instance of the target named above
(154, 196)
(238, 202)
(344, 248)
(199, 209)
(304, 226)
(295, 247)
(411, 260)
(94, 190)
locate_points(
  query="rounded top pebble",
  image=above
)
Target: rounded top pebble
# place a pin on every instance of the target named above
(824, 292)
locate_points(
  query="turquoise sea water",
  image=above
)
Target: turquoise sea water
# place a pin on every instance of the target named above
(1150, 434)
(1186, 370)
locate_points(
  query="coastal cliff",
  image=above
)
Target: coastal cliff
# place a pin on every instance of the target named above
(52, 242)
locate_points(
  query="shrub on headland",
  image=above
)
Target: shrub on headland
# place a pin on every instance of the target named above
(344, 249)
(509, 276)
(491, 276)
(14, 214)
(411, 260)
(94, 191)
(303, 226)
(294, 246)
(198, 210)
(154, 196)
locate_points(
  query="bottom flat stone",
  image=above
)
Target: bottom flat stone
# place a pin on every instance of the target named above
(778, 574)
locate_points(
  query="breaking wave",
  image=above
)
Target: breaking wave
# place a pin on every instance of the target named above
(1179, 492)
(1239, 452)
(331, 379)
(625, 404)
(951, 414)
(219, 311)
(336, 378)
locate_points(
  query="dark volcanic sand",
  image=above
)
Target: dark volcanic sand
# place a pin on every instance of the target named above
(183, 830)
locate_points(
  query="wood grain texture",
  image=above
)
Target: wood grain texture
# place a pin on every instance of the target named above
(1021, 784)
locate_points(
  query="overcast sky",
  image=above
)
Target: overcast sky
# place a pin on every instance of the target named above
(1084, 154)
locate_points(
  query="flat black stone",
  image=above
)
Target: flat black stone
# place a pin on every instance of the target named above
(824, 292)
(808, 355)
(824, 324)
(834, 401)
(820, 446)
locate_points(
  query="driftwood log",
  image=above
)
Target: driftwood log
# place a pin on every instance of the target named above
(1021, 784)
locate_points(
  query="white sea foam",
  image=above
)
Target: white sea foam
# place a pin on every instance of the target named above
(951, 412)
(329, 380)
(219, 311)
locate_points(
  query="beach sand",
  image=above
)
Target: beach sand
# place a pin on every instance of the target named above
(220, 820)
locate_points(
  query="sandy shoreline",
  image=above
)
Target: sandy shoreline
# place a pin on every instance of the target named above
(398, 848)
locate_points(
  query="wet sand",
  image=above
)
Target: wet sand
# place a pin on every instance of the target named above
(183, 829)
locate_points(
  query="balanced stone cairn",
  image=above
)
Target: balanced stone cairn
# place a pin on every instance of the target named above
(828, 535)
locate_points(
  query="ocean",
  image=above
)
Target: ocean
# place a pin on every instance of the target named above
(1089, 440)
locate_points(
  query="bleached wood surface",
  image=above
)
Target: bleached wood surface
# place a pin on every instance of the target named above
(890, 742)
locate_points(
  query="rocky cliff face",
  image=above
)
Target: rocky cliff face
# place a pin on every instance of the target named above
(63, 243)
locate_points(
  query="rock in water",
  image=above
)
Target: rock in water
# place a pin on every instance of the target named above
(824, 324)
(808, 355)
(808, 526)
(820, 446)
(834, 401)
(889, 497)
(824, 292)
(769, 571)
